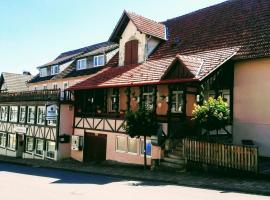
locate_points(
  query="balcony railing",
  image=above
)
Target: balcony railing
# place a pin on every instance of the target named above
(37, 95)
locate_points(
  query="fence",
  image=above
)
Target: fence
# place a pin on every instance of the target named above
(243, 158)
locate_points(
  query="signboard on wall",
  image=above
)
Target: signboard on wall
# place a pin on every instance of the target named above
(51, 112)
(76, 142)
(20, 129)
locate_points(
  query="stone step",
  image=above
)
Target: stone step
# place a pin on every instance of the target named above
(172, 165)
(179, 148)
(175, 156)
(174, 160)
(177, 152)
(171, 169)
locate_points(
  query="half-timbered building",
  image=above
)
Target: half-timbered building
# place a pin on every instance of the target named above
(38, 123)
(170, 66)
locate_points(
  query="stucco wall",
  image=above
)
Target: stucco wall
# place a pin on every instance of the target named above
(113, 154)
(60, 83)
(251, 103)
(131, 33)
(77, 155)
(66, 127)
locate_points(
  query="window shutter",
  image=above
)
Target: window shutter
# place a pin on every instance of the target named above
(128, 53)
(131, 52)
(134, 59)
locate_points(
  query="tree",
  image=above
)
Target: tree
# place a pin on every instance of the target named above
(213, 114)
(142, 122)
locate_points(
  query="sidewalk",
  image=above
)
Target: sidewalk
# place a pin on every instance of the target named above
(190, 179)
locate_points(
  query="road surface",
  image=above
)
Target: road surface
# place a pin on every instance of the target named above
(27, 183)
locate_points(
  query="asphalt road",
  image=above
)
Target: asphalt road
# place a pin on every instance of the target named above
(27, 183)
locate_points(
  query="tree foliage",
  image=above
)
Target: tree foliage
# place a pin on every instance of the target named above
(141, 122)
(213, 114)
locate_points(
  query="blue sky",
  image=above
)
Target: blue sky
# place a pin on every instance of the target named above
(34, 32)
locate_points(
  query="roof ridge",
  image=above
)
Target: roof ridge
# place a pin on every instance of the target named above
(131, 12)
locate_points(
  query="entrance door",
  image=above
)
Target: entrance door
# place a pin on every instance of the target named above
(95, 147)
(20, 144)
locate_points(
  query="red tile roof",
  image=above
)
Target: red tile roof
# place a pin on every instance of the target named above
(148, 26)
(236, 29)
(144, 25)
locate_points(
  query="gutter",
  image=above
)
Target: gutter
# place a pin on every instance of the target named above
(160, 82)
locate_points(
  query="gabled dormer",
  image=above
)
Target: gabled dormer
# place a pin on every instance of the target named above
(137, 37)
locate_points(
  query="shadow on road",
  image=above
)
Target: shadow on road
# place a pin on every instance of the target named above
(67, 177)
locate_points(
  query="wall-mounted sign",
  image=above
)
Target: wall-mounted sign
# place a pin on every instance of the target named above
(20, 129)
(51, 112)
(76, 142)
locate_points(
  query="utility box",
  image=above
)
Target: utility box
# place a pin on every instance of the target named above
(77, 143)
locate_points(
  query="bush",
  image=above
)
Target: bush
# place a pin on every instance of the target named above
(214, 114)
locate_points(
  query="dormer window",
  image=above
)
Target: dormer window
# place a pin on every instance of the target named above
(43, 72)
(99, 60)
(131, 52)
(54, 69)
(81, 64)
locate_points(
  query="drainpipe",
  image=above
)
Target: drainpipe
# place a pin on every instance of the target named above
(146, 47)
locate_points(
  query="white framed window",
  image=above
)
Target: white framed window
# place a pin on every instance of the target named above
(132, 145)
(225, 94)
(41, 115)
(55, 86)
(39, 147)
(11, 144)
(3, 139)
(29, 145)
(35, 88)
(3, 113)
(13, 113)
(148, 147)
(99, 60)
(65, 85)
(177, 101)
(121, 143)
(114, 101)
(148, 97)
(54, 69)
(43, 72)
(81, 64)
(22, 114)
(45, 87)
(31, 114)
(50, 149)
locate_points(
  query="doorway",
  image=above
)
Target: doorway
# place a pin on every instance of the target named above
(95, 147)
(20, 145)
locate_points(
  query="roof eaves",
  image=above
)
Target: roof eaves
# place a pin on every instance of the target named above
(220, 64)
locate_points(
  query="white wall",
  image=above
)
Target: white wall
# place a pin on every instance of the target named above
(251, 103)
